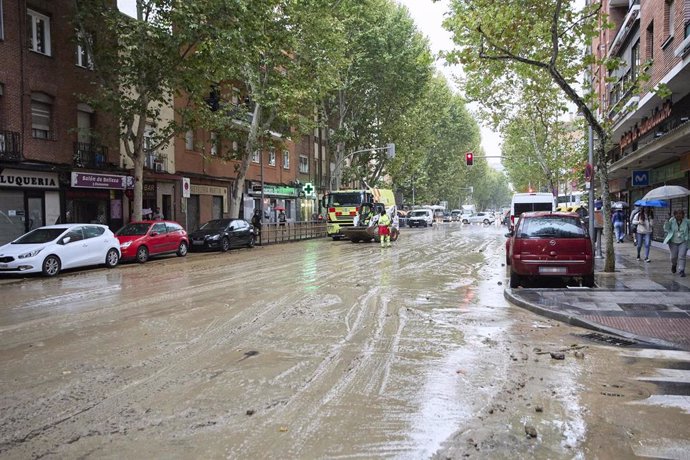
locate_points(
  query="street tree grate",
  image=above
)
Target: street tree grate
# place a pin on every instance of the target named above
(608, 339)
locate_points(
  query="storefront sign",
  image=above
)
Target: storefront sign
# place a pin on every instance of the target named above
(89, 180)
(28, 179)
(275, 190)
(640, 178)
(646, 125)
(197, 189)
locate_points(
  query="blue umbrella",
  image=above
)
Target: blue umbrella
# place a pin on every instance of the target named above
(652, 203)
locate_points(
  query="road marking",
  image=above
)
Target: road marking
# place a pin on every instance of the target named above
(668, 375)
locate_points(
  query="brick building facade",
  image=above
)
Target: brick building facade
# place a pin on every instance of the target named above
(650, 135)
(59, 158)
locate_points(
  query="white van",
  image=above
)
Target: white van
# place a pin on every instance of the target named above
(526, 202)
(423, 217)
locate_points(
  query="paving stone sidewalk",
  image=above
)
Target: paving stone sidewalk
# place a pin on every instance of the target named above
(640, 301)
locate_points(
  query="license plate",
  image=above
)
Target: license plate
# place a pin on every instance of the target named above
(4, 265)
(557, 270)
(197, 242)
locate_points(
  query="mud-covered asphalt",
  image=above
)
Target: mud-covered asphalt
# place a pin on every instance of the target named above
(315, 349)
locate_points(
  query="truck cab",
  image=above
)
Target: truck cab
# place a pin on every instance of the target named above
(343, 205)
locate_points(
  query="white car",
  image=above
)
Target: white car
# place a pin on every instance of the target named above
(479, 218)
(53, 248)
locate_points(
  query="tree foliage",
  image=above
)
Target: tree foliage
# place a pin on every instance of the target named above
(506, 47)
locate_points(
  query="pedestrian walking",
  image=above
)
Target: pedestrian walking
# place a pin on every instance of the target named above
(618, 224)
(282, 218)
(677, 230)
(643, 225)
(384, 224)
(598, 230)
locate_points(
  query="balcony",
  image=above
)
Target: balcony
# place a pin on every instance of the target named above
(156, 162)
(630, 19)
(10, 146)
(90, 155)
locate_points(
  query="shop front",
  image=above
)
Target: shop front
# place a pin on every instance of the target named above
(97, 198)
(28, 200)
(276, 198)
(205, 202)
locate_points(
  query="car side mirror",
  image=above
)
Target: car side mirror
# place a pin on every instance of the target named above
(510, 234)
(66, 239)
(154, 233)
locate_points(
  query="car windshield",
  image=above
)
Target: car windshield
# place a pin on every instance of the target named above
(133, 230)
(552, 227)
(419, 214)
(216, 224)
(345, 199)
(40, 235)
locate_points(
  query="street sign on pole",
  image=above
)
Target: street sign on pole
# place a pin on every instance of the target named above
(186, 187)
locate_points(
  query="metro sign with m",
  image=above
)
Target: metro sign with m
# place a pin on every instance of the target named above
(640, 178)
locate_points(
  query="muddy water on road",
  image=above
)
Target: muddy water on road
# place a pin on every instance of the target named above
(305, 350)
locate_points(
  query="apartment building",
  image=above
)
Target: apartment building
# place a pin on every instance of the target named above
(59, 158)
(650, 134)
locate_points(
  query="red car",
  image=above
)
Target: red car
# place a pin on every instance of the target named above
(550, 244)
(140, 240)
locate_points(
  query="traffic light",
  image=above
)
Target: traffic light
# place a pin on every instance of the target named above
(469, 158)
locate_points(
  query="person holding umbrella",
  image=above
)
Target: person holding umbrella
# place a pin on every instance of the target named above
(677, 230)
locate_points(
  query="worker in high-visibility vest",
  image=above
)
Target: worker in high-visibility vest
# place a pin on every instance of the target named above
(384, 224)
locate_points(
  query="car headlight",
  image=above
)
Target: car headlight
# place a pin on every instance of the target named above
(33, 253)
(125, 245)
(214, 237)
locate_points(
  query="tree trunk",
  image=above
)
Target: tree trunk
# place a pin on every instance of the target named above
(138, 185)
(340, 146)
(250, 148)
(609, 254)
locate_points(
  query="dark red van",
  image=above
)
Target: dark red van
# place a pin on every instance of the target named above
(550, 244)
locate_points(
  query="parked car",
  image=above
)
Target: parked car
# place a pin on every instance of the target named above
(420, 218)
(53, 248)
(455, 214)
(550, 244)
(223, 234)
(479, 218)
(140, 240)
(447, 217)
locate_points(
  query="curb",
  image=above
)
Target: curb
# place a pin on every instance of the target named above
(576, 321)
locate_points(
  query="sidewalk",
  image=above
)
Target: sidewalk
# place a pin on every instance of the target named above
(640, 301)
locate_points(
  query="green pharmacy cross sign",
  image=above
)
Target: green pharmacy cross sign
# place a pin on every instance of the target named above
(308, 189)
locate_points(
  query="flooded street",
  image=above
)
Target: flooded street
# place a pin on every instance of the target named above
(317, 349)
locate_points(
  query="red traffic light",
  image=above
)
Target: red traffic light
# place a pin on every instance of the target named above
(469, 158)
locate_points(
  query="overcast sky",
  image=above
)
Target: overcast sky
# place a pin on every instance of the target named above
(428, 16)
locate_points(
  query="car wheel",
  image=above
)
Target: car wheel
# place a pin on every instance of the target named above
(182, 249)
(355, 240)
(486, 221)
(514, 279)
(51, 265)
(336, 238)
(588, 281)
(252, 241)
(142, 254)
(224, 245)
(112, 258)
(465, 221)
(395, 234)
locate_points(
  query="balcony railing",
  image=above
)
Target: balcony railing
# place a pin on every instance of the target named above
(89, 155)
(10, 146)
(156, 162)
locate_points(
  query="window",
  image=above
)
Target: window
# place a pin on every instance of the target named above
(84, 47)
(303, 164)
(41, 116)
(214, 144)
(650, 41)
(670, 16)
(74, 235)
(2, 22)
(38, 27)
(189, 140)
(159, 228)
(286, 159)
(93, 232)
(635, 61)
(272, 157)
(84, 126)
(255, 157)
